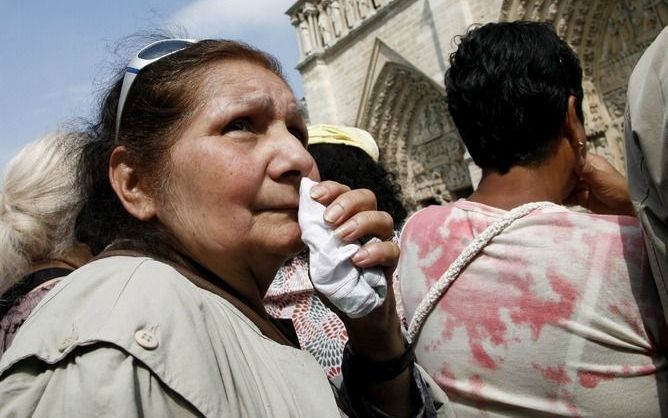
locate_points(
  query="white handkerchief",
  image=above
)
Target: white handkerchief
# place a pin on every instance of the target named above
(354, 291)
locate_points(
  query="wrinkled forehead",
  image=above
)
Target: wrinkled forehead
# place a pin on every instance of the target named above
(248, 85)
(242, 77)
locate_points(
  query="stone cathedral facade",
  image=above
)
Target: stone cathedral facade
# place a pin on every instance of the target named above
(379, 65)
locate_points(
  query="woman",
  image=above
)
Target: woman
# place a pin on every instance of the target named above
(191, 190)
(38, 205)
(349, 156)
(519, 306)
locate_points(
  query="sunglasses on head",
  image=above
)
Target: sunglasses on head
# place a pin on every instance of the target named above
(146, 56)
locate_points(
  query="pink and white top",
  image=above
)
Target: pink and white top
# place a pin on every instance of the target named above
(557, 316)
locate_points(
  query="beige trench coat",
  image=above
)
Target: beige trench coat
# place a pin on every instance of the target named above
(130, 336)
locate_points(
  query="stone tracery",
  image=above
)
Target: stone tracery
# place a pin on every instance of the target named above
(407, 115)
(609, 37)
(320, 24)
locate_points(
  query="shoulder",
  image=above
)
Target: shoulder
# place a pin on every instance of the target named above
(96, 384)
(97, 302)
(557, 216)
(142, 309)
(426, 218)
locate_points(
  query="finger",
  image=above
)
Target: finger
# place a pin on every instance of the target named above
(377, 254)
(367, 223)
(325, 192)
(348, 204)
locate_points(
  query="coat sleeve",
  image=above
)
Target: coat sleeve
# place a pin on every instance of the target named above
(98, 380)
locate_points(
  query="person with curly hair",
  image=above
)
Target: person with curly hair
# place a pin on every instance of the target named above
(518, 305)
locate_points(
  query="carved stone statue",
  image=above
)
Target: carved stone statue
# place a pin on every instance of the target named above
(336, 15)
(324, 27)
(305, 35)
(350, 12)
(363, 7)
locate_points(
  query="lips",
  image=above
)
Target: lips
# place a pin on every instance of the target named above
(284, 209)
(289, 208)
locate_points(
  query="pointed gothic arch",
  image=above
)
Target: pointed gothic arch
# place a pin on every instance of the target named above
(609, 37)
(406, 112)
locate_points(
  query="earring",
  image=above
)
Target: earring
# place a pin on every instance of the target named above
(582, 152)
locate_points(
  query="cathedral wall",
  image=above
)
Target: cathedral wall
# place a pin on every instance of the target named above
(421, 32)
(379, 65)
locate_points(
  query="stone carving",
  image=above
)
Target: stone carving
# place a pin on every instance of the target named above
(305, 36)
(609, 36)
(552, 10)
(402, 110)
(418, 139)
(325, 27)
(338, 22)
(521, 9)
(350, 12)
(322, 23)
(363, 8)
(537, 5)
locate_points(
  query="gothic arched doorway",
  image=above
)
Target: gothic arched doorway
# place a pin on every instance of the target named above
(419, 143)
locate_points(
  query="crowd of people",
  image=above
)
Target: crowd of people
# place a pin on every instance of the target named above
(153, 262)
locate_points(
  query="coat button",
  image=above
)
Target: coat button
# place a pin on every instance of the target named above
(68, 341)
(146, 339)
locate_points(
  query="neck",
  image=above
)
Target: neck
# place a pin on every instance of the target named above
(520, 185)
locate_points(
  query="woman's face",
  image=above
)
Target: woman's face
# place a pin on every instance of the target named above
(232, 195)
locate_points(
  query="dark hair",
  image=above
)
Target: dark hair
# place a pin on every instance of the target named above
(159, 105)
(355, 168)
(507, 91)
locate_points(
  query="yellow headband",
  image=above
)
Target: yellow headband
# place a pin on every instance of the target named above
(343, 135)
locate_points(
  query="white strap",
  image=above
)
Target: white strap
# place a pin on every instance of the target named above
(445, 281)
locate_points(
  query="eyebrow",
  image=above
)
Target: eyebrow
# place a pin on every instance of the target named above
(266, 103)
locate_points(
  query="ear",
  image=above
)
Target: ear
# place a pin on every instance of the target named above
(575, 133)
(573, 127)
(129, 185)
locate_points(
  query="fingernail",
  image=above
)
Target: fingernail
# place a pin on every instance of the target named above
(360, 256)
(317, 192)
(346, 229)
(333, 213)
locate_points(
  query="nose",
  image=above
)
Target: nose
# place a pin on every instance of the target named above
(291, 161)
